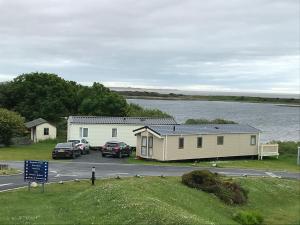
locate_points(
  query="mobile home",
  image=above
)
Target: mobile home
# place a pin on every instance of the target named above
(181, 142)
(98, 129)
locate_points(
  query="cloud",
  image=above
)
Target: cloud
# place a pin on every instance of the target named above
(230, 45)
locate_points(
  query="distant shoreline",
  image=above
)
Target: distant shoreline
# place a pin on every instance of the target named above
(287, 102)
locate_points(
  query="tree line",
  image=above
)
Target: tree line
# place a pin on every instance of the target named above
(34, 95)
(51, 97)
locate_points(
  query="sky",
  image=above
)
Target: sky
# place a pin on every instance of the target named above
(216, 45)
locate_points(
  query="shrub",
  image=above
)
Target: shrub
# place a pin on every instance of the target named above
(228, 191)
(248, 218)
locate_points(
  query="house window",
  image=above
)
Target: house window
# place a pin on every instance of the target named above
(253, 140)
(199, 142)
(114, 132)
(46, 131)
(181, 142)
(84, 132)
(220, 140)
(144, 146)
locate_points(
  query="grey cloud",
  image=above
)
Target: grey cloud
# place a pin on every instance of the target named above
(177, 44)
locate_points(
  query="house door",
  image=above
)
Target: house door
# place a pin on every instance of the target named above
(150, 146)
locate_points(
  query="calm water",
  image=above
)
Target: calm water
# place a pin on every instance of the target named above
(276, 122)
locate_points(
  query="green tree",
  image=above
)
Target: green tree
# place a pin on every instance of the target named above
(137, 110)
(11, 124)
(206, 121)
(37, 95)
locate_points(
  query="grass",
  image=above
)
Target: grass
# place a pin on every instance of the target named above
(283, 163)
(9, 171)
(147, 200)
(38, 151)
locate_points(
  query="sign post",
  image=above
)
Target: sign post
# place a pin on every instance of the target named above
(36, 171)
(298, 158)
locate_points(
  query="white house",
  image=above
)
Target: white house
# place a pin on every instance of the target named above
(41, 129)
(98, 130)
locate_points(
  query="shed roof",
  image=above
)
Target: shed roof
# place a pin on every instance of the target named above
(35, 122)
(121, 120)
(201, 129)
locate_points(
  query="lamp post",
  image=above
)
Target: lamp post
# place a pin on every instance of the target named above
(93, 175)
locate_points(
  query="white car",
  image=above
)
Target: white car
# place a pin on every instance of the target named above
(82, 144)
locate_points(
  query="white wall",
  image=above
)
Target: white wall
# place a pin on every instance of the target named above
(98, 134)
(40, 132)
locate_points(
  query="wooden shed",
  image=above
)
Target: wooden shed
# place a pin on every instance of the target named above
(41, 129)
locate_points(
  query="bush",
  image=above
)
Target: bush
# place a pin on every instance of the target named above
(228, 191)
(248, 218)
(206, 121)
(288, 147)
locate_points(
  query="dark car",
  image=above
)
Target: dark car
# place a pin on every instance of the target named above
(116, 149)
(82, 144)
(66, 150)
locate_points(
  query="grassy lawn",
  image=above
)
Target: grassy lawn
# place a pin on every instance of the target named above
(147, 200)
(9, 171)
(39, 151)
(284, 162)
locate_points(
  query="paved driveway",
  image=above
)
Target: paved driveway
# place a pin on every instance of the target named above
(69, 170)
(96, 157)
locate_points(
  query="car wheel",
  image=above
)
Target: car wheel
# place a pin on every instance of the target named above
(103, 155)
(53, 157)
(119, 155)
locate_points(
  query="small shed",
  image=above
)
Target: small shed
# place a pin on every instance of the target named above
(41, 129)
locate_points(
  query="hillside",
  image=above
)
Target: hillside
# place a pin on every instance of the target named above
(147, 200)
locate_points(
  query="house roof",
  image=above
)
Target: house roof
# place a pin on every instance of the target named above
(121, 120)
(201, 129)
(35, 122)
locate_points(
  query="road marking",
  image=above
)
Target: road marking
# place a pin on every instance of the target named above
(66, 175)
(272, 175)
(53, 171)
(2, 185)
(112, 174)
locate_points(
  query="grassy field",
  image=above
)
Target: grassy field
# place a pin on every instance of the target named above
(9, 171)
(283, 163)
(39, 151)
(147, 200)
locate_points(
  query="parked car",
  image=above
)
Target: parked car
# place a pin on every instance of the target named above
(66, 150)
(116, 149)
(82, 144)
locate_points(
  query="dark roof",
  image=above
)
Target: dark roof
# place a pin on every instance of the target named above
(35, 122)
(121, 120)
(202, 129)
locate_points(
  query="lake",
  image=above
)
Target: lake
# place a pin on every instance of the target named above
(276, 122)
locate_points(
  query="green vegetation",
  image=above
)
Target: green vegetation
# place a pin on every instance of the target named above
(147, 200)
(287, 160)
(136, 110)
(248, 218)
(45, 95)
(227, 190)
(9, 171)
(172, 96)
(38, 151)
(11, 124)
(206, 121)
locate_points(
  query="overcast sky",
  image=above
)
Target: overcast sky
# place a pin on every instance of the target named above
(232, 45)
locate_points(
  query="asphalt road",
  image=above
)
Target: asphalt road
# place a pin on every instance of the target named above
(77, 169)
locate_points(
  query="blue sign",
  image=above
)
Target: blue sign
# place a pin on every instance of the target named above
(36, 171)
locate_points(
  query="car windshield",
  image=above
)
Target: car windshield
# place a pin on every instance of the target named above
(109, 144)
(64, 145)
(74, 141)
